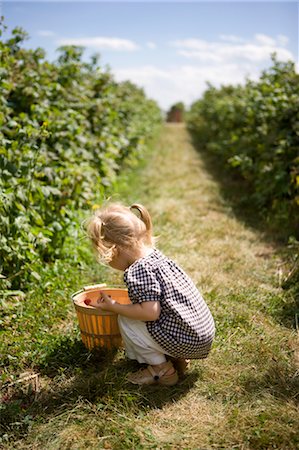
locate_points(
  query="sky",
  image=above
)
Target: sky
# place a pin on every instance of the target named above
(171, 48)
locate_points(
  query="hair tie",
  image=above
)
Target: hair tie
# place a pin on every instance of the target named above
(103, 224)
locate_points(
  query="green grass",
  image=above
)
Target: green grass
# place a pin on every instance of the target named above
(244, 396)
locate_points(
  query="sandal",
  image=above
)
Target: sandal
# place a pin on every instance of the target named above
(149, 376)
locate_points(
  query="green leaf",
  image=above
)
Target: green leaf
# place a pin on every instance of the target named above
(35, 275)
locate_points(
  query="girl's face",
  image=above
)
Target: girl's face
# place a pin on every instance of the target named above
(120, 260)
(124, 257)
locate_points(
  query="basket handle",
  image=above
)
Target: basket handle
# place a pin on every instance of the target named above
(91, 287)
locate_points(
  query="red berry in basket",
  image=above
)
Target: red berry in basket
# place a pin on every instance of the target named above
(87, 301)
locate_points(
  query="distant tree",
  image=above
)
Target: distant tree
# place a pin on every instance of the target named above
(176, 112)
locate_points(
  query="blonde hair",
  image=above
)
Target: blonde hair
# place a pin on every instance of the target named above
(116, 226)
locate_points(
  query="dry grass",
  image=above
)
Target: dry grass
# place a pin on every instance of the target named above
(245, 395)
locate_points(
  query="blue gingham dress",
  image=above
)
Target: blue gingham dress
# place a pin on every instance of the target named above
(185, 327)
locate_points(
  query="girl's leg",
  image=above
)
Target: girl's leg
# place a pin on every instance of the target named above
(138, 342)
(180, 364)
(141, 346)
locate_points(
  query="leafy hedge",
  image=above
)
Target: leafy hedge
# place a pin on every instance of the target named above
(65, 130)
(254, 130)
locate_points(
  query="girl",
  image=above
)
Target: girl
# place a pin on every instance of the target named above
(168, 321)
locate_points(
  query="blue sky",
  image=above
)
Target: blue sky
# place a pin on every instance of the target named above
(170, 48)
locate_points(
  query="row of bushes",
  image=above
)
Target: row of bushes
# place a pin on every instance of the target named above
(66, 128)
(254, 130)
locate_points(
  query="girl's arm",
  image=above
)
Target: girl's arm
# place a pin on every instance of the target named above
(146, 311)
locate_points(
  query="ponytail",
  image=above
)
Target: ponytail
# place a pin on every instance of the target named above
(146, 219)
(117, 226)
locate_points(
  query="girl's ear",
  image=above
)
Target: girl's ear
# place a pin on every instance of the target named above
(115, 251)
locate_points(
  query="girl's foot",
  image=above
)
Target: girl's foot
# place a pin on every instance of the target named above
(180, 364)
(164, 374)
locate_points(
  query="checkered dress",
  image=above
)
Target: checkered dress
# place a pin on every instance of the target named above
(185, 328)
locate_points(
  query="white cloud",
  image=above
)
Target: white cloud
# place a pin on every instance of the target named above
(184, 83)
(257, 50)
(282, 40)
(194, 44)
(101, 43)
(264, 40)
(151, 45)
(231, 38)
(204, 56)
(231, 60)
(45, 33)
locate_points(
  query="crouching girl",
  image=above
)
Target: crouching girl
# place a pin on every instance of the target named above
(168, 321)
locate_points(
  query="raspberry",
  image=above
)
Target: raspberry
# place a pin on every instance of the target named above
(87, 301)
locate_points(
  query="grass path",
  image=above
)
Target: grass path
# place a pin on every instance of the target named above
(245, 395)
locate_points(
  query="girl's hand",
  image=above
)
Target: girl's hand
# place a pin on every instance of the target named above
(104, 302)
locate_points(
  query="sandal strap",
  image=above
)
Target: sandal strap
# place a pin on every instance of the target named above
(166, 368)
(162, 372)
(153, 373)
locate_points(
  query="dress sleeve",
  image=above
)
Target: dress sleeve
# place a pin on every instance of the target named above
(142, 284)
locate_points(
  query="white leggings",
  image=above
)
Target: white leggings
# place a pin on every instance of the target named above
(138, 342)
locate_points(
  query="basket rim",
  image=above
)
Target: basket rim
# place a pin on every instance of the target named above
(104, 288)
(91, 310)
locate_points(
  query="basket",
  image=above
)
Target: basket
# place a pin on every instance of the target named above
(99, 328)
